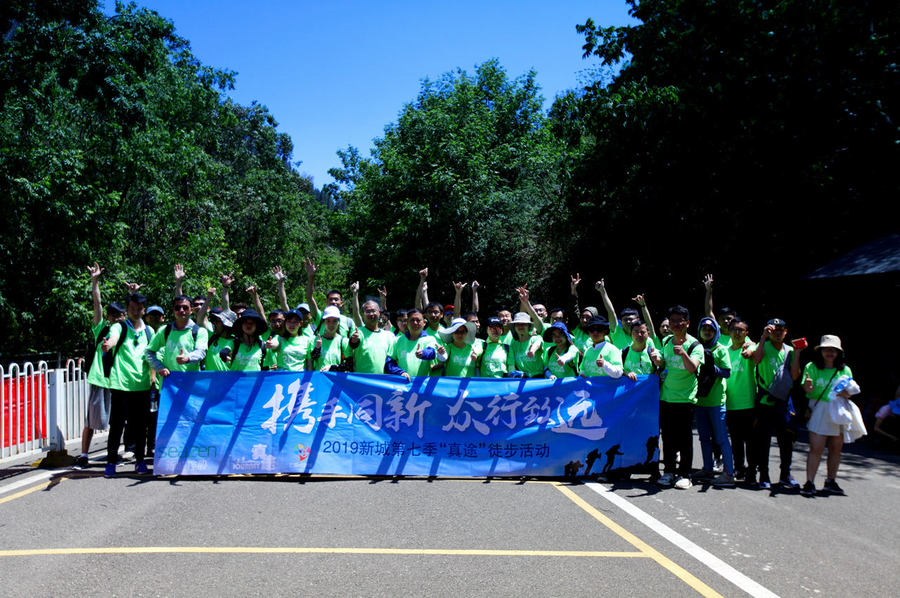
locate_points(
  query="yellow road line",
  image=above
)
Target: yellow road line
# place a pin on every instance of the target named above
(27, 491)
(303, 550)
(642, 546)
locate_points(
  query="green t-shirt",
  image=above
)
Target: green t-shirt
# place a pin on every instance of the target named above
(271, 359)
(292, 352)
(740, 388)
(680, 385)
(823, 380)
(765, 369)
(461, 363)
(404, 353)
(496, 359)
(180, 342)
(130, 371)
(569, 368)
(610, 353)
(617, 335)
(716, 396)
(247, 358)
(213, 361)
(334, 351)
(374, 348)
(582, 340)
(95, 374)
(532, 366)
(639, 362)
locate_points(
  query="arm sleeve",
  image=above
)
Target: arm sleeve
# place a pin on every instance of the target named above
(150, 353)
(391, 367)
(199, 352)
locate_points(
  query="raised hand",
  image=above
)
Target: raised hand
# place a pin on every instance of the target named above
(354, 287)
(523, 293)
(179, 272)
(459, 286)
(600, 285)
(310, 266)
(252, 290)
(95, 271)
(423, 273)
(708, 281)
(279, 274)
(640, 301)
(475, 285)
(226, 279)
(576, 280)
(133, 287)
(382, 291)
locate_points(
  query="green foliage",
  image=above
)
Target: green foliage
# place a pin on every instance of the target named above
(117, 146)
(466, 182)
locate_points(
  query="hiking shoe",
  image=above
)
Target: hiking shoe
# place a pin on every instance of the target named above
(831, 487)
(140, 468)
(719, 466)
(809, 489)
(128, 455)
(683, 483)
(788, 481)
(764, 483)
(740, 474)
(110, 470)
(666, 480)
(703, 474)
(81, 462)
(725, 480)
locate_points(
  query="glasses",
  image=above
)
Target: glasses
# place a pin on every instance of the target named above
(181, 308)
(276, 322)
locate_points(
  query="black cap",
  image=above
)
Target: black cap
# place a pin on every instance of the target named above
(598, 322)
(115, 307)
(136, 297)
(494, 321)
(777, 322)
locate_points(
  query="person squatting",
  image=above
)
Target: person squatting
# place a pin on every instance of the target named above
(730, 387)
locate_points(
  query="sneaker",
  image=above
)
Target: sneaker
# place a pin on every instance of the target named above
(128, 455)
(703, 474)
(725, 480)
(81, 462)
(110, 470)
(740, 475)
(719, 466)
(788, 481)
(764, 483)
(809, 489)
(666, 480)
(831, 487)
(683, 483)
(140, 468)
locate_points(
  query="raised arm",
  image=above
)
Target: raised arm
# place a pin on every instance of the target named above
(600, 285)
(645, 315)
(475, 286)
(280, 277)
(95, 272)
(310, 267)
(226, 279)
(708, 302)
(382, 294)
(204, 311)
(179, 279)
(354, 305)
(457, 298)
(525, 305)
(575, 316)
(422, 290)
(257, 302)
(761, 346)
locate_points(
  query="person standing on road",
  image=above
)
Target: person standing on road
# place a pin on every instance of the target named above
(179, 346)
(370, 343)
(740, 397)
(819, 378)
(677, 399)
(710, 412)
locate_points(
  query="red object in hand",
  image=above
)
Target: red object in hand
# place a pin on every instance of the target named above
(800, 343)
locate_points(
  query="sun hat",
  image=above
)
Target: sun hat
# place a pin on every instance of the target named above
(331, 312)
(446, 334)
(226, 316)
(830, 340)
(250, 314)
(548, 333)
(521, 318)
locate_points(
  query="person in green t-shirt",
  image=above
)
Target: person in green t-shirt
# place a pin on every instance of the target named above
(496, 358)
(276, 331)
(677, 398)
(416, 352)
(292, 347)
(641, 358)
(772, 415)
(620, 330)
(601, 358)
(462, 357)
(333, 298)
(248, 350)
(725, 314)
(740, 396)
(370, 343)
(710, 413)
(820, 376)
(527, 348)
(561, 359)
(130, 382)
(331, 350)
(222, 337)
(179, 346)
(99, 393)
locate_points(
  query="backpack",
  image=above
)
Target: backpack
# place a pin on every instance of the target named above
(110, 356)
(94, 344)
(195, 329)
(782, 383)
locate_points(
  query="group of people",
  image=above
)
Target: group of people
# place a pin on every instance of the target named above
(731, 387)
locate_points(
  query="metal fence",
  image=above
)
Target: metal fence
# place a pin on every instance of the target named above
(41, 408)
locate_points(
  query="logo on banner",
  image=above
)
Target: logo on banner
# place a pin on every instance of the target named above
(302, 452)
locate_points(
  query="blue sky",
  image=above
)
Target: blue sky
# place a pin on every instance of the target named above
(334, 73)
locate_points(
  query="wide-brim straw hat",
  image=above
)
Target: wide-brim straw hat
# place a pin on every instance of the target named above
(457, 323)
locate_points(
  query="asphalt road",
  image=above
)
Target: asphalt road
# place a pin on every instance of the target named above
(67, 533)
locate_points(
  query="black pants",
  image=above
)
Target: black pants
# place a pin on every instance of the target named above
(772, 419)
(676, 423)
(740, 428)
(132, 407)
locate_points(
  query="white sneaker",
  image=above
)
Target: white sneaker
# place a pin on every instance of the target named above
(683, 483)
(666, 480)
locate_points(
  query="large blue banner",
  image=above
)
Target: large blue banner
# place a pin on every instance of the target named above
(361, 424)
